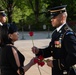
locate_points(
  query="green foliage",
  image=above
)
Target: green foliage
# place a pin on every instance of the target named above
(31, 12)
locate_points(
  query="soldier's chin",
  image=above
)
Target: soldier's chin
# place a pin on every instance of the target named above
(53, 25)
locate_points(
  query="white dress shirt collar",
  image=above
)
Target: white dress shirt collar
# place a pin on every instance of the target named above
(58, 28)
(1, 24)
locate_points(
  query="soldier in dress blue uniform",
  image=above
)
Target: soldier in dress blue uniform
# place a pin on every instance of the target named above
(62, 46)
(2, 22)
(2, 17)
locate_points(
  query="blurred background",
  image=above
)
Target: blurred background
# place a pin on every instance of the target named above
(32, 15)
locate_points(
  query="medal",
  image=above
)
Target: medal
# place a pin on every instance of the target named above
(58, 43)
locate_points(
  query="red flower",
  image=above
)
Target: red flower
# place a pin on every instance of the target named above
(41, 57)
(31, 33)
(35, 60)
(39, 60)
(41, 63)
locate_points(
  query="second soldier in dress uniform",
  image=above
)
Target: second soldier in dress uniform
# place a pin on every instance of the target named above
(2, 17)
(2, 22)
(62, 46)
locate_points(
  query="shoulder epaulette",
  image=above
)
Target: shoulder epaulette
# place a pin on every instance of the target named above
(67, 28)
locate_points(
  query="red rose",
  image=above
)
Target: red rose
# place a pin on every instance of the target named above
(39, 60)
(41, 57)
(31, 33)
(41, 63)
(35, 60)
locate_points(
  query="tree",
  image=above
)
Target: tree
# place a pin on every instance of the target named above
(33, 11)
